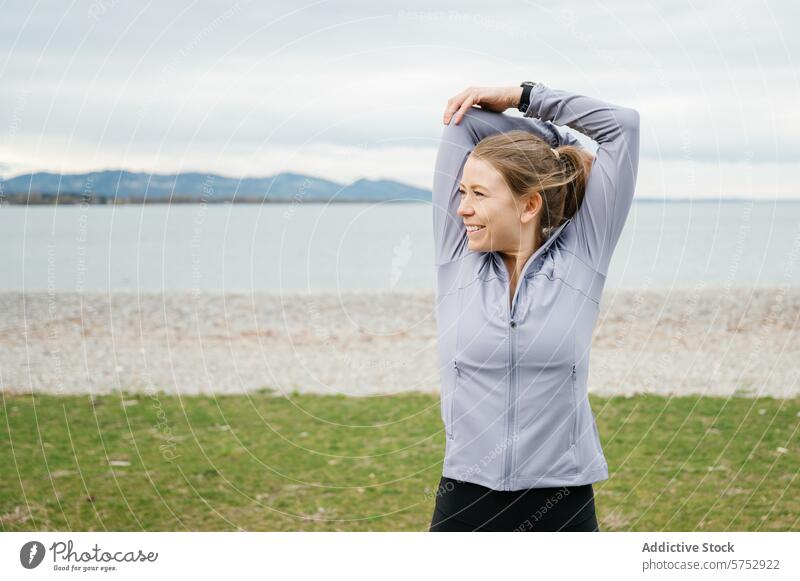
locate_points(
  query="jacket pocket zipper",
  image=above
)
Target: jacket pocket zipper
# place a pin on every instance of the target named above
(575, 404)
(451, 404)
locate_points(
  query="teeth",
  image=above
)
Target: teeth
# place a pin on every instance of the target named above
(474, 228)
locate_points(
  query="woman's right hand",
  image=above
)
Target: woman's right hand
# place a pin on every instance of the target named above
(496, 99)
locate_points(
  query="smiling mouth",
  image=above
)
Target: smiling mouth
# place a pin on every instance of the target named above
(474, 229)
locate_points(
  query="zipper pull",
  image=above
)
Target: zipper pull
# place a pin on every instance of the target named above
(573, 370)
(455, 365)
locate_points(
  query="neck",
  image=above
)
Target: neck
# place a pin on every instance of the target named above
(515, 261)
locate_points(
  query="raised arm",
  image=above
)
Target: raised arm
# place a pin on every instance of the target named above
(612, 181)
(450, 237)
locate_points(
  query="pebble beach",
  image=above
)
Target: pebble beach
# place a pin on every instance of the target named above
(709, 341)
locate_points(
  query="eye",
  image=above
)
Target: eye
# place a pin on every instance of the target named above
(478, 193)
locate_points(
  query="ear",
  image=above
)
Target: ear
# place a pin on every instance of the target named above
(531, 208)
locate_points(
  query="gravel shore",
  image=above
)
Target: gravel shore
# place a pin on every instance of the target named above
(688, 341)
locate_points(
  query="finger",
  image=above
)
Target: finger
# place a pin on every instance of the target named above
(452, 106)
(464, 106)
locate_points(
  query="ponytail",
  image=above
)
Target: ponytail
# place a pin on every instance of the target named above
(573, 161)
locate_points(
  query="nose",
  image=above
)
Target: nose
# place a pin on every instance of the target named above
(464, 208)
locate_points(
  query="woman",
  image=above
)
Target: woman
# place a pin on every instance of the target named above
(525, 223)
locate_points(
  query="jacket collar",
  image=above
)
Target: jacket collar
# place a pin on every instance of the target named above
(500, 266)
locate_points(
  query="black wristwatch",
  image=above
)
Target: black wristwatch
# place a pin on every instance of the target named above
(525, 100)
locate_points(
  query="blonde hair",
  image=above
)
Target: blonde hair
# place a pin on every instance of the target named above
(528, 165)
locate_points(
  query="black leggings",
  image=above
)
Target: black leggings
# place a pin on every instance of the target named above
(465, 506)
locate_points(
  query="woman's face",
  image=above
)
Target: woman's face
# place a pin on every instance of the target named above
(506, 222)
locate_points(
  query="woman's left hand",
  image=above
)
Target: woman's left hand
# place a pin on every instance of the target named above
(496, 99)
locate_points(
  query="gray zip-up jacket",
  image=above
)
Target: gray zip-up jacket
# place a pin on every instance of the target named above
(514, 396)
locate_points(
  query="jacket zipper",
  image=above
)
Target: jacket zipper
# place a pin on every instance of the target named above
(508, 468)
(512, 408)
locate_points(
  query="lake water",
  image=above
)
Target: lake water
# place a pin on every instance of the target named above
(313, 247)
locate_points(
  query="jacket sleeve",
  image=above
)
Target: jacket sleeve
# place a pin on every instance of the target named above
(457, 142)
(612, 180)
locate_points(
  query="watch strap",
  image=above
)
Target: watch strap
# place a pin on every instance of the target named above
(525, 99)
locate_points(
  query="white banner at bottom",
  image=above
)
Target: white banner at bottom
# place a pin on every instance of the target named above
(401, 556)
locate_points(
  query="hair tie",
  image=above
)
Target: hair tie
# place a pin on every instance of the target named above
(564, 160)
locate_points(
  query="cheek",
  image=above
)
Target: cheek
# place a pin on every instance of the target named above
(498, 216)
(489, 212)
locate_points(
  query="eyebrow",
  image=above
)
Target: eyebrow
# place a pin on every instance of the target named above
(461, 184)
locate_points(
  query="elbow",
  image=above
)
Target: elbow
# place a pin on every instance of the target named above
(633, 138)
(629, 131)
(629, 119)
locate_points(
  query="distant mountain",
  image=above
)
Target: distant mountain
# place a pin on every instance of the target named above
(283, 187)
(117, 186)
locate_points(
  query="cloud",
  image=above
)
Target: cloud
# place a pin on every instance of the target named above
(224, 83)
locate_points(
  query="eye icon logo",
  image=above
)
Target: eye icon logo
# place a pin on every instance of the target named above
(31, 554)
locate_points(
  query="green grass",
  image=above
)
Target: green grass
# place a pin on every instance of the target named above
(317, 463)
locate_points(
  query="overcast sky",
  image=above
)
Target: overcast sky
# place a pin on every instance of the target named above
(345, 90)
